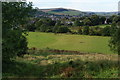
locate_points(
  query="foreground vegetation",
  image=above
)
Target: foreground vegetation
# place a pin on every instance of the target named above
(83, 43)
(51, 64)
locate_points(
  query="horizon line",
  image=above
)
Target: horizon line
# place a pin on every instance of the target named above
(77, 9)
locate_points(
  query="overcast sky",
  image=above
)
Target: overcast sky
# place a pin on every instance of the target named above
(82, 5)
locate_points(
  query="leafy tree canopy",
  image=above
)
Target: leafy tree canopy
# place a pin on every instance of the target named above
(14, 16)
(115, 39)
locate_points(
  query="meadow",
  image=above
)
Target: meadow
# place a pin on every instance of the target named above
(55, 56)
(82, 43)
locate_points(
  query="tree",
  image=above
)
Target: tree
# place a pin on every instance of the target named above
(92, 31)
(115, 39)
(106, 31)
(38, 24)
(87, 22)
(78, 23)
(45, 25)
(116, 19)
(43, 28)
(80, 31)
(113, 28)
(31, 27)
(95, 20)
(63, 29)
(102, 20)
(111, 19)
(86, 30)
(58, 23)
(14, 15)
(55, 29)
(98, 31)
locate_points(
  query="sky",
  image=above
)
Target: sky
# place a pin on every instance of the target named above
(82, 5)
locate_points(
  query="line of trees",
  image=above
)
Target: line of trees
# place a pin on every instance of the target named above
(98, 31)
(90, 21)
(49, 25)
(94, 20)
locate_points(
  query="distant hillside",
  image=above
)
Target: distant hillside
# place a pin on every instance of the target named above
(63, 11)
(105, 13)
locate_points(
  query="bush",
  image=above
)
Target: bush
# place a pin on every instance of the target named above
(80, 31)
(106, 31)
(86, 30)
(63, 29)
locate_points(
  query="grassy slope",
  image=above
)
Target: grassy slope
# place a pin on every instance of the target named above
(81, 43)
(66, 12)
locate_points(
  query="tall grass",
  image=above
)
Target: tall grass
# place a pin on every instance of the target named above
(46, 64)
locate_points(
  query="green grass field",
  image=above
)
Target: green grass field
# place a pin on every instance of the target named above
(82, 43)
(47, 63)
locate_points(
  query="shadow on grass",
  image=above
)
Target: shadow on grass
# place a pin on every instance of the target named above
(70, 69)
